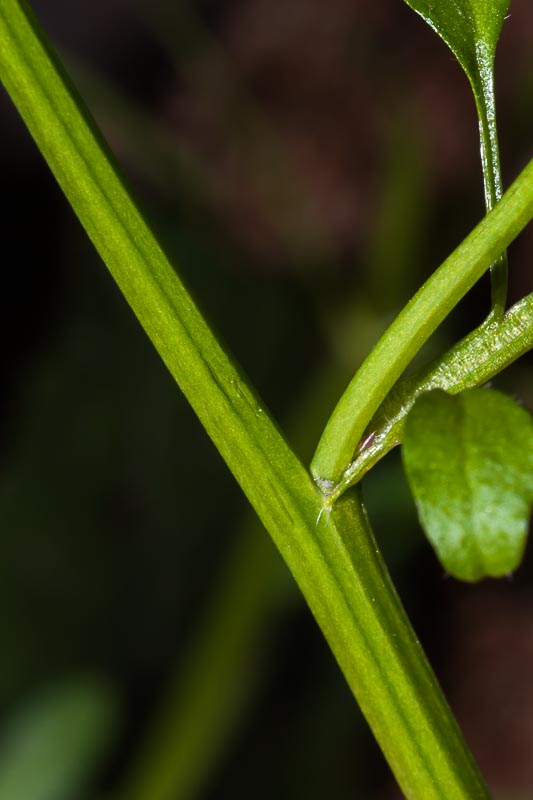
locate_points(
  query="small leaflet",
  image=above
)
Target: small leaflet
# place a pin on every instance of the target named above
(469, 463)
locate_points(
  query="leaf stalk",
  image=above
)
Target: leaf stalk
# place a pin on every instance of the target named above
(490, 163)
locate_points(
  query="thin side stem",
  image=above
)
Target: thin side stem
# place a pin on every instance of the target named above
(415, 324)
(473, 361)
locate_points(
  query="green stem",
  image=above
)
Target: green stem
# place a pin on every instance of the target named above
(331, 554)
(471, 362)
(490, 162)
(415, 324)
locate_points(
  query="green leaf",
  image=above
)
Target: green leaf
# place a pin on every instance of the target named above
(471, 29)
(469, 462)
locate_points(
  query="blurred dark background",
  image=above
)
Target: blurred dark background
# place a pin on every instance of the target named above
(307, 166)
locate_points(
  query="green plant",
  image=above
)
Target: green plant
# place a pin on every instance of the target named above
(322, 532)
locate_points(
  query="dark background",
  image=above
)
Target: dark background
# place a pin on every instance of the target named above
(307, 165)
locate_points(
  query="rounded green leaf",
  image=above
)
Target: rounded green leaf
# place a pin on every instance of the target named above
(469, 462)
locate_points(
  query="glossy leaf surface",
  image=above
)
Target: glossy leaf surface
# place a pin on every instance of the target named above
(470, 28)
(469, 462)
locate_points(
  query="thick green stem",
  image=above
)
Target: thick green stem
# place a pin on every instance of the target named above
(471, 362)
(415, 324)
(331, 553)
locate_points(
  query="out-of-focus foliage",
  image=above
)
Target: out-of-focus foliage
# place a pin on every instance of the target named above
(51, 747)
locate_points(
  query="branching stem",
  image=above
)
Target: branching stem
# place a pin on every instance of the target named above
(471, 362)
(415, 324)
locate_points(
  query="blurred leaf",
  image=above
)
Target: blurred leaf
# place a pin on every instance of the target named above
(469, 461)
(51, 748)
